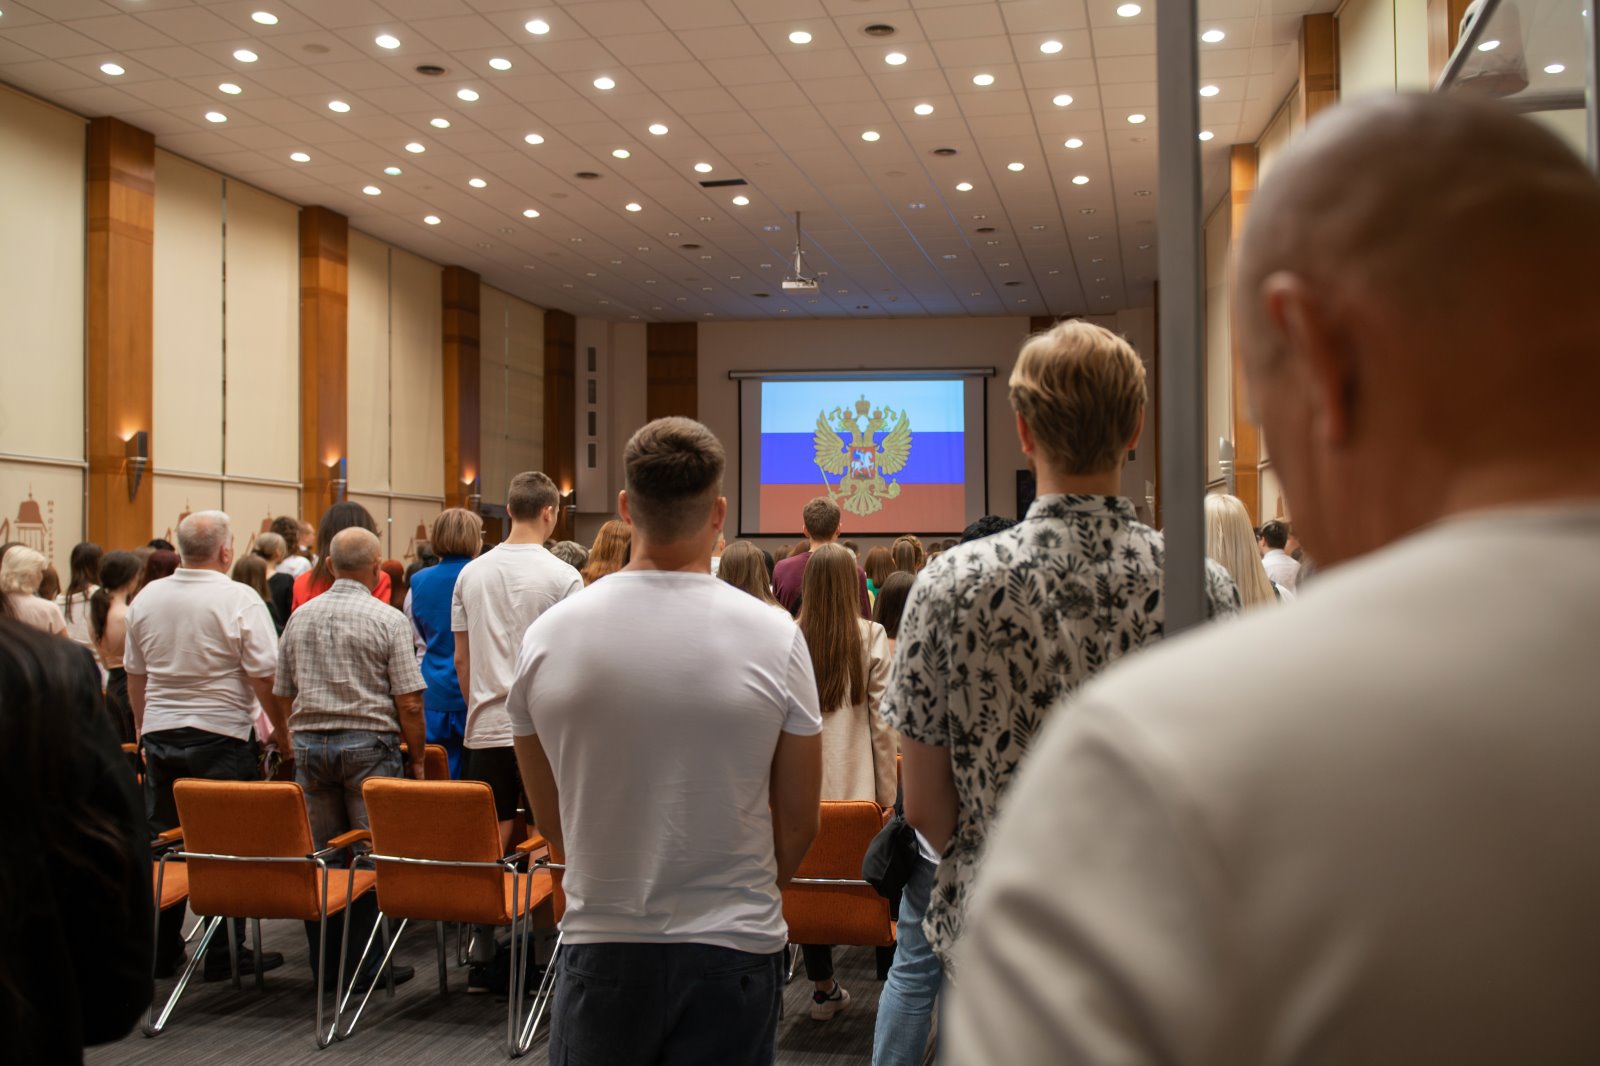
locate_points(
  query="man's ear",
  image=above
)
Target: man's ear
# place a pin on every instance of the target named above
(1138, 431)
(719, 514)
(622, 507)
(1025, 435)
(1309, 337)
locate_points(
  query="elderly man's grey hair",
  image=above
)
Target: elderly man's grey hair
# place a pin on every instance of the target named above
(202, 535)
(352, 550)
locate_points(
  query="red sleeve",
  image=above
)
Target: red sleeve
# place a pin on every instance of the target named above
(866, 600)
(302, 591)
(384, 584)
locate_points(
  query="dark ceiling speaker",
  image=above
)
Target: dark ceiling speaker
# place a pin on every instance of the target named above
(944, 151)
(878, 29)
(689, 247)
(985, 229)
(1013, 284)
(431, 70)
(586, 175)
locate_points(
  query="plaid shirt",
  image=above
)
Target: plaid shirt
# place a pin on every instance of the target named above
(344, 657)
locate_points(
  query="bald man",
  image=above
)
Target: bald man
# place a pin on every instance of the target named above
(1378, 845)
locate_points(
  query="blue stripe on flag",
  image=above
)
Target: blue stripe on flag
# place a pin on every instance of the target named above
(935, 459)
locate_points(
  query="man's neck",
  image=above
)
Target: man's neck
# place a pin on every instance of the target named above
(527, 533)
(682, 556)
(1050, 483)
(214, 565)
(813, 545)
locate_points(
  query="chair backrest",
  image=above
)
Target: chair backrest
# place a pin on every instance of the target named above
(449, 821)
(255, 818)
(839, 914)
(436, 762)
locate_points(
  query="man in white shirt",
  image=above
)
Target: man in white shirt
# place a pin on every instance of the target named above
(1281, 567)
(201, 653)
(497, 596)
(678, 775)
(1377, 844)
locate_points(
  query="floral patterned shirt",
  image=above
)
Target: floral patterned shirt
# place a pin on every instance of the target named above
(998, 630)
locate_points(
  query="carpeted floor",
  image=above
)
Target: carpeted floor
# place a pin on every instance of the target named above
(215, 1025)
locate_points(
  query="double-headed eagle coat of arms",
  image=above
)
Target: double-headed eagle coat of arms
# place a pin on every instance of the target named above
(850, 449)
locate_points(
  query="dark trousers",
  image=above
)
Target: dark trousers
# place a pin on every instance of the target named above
(117, 705)
(666, 1004)
(172, 754)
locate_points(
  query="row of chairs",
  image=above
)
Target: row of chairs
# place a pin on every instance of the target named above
(244, 850)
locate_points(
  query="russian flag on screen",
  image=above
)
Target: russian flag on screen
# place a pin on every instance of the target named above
(931, 493)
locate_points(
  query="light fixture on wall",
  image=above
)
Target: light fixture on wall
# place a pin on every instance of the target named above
(474, 492)
(1225, 462)
(338, 479)
(569, 503)
(136, 449)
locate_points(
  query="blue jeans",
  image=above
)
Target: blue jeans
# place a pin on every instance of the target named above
(905, 1009)
(446, 728)
(667, 1004)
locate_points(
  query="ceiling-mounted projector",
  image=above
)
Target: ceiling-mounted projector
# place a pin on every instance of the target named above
(800, 280)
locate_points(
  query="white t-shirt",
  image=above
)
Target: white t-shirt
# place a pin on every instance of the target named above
(497, 596)
(294, 565)
(197, 636)
(658, 697)
(78, 624)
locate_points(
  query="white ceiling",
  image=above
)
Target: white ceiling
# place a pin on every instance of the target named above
(883, 219)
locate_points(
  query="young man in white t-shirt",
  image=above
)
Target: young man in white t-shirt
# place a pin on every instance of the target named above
(669, 739)
(497, 596)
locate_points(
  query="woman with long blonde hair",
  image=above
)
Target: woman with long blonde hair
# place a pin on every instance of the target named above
(612, 547)
(1231, 543)
(850, 657)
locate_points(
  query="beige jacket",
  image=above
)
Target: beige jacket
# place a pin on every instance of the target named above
(858, 747)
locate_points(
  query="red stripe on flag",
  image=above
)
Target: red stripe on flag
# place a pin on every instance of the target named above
(918, 509)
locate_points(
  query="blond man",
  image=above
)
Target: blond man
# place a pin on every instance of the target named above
(997, 630)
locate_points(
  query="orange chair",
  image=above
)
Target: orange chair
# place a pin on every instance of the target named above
(436, 851)
(247, 853)
(435, 761)
(827, 902)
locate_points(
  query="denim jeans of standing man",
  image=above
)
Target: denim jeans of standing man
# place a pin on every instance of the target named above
(905, 1009)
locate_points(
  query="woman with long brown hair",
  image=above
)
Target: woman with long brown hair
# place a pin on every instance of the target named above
(878, 564)
(744, 567)
(611, 550)
(850, 657)
(319, 579)
(908, 554)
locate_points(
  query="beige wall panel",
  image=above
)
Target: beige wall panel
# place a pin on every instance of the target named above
(187, 372)
(42, 506)
(493, 402)
(416, 381)
(412, 520)
(176, 497)
(1219, 340)
(41, 278)
(262, 250)
(368, 425)
(1571, 126)
(253, 507)
(1366, 47)
(1411, 46)
(379, 506)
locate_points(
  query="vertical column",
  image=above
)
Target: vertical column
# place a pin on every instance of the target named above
(1319, 64)
(324, 356)
(119, 312)
(560, 408)
(460, 288)
(1444, 30)
(672, 370)
(1246, 434)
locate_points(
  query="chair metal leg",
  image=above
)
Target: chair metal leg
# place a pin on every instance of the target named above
(233, 955)
(794, 963)
(355, 1019)
(153, 1025)
(444, 982)
(541, 1000)
(386, 970)
(255, 931)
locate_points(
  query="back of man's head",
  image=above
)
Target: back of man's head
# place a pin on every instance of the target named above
(821, 518)
(1080, 389)
(201, 537)
(674, 472)
(354, 552)
(530, 493)
(1275, 535)
(987, 526)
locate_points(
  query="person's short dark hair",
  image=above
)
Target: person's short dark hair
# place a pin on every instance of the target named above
(161, 544)
(821, 518)
(850, 546)
(987, 526)
(1275, 534)
(891, 602)
(530, 493)
(772, 563)
(674, 472)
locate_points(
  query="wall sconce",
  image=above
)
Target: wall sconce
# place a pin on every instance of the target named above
(474, 493)
(338, 479)
(136, 449)
(569, 503)
(1225, 461)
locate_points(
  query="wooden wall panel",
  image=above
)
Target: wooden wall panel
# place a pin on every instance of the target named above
(120, 323)
(1444, 30)
(1246, 434)
(560, 406)
(672, 370)
(1319, 64)
(459, 296)
(324, 350)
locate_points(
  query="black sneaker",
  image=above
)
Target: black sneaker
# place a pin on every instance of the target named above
(217, 963)
(480, 978)
(402, 974)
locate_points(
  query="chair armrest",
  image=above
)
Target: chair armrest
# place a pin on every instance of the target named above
(129, 749)
(533, 843)
(170, 836)
(344, 840)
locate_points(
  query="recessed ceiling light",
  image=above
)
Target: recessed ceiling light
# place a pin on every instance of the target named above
(439, 123)
(707, 218)
(1136, 119)
(1072, 142)
(1092, 237)
(1206, 135)
(244, 55)
(620, 153)
(300, 157)
(702, 168)
(1141, 192)
(529, 212)
(658, 128)
(1144, 247)
(604, 83)
(338, 105)
(1209, 90)
(1050, 47)
(372, 190)
(112, 69)
(741, 201)
(477, 183)
(415, 148)
(590, 274)
(500, 63)
(895, 59)
(1100, 280)
(975, 294)
(1127, 11)
(1086, 210)
(1488, 46)
(469, 95)
(1555, 68)
(963, 186)
(869, 135)
(1213, 36)
(386, 40)
(216, 116)
(1081, 179)
(534, 138)
(432, 220)
(265, 18)
(632, 207)
(799, 37)
(1014, 166)
(1098, 259)
(393, 172)
(917, 205)
(983, 79)
(537, 26)
(1062, 100)
(923, 109)
(950, 255)
(230, 88)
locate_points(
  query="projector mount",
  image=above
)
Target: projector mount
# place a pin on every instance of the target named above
(801, 280)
